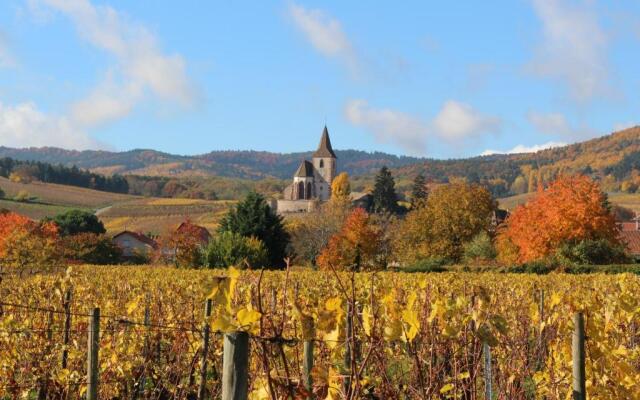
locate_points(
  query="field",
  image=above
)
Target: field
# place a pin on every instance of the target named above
(628, 200)
(49, 199)
(156, 216)
(414, 336)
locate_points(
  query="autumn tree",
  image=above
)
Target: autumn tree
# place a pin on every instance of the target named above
(519, 185)
(310, 232)
(28, 246)
(571, 210)
(385, 198)
(341, 188)
(355, 246)
(452, 216)
(419, 191)
(183, 246)
(90, 248)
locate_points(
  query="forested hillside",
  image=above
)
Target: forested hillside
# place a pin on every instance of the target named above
(230, 164)
(613, 160)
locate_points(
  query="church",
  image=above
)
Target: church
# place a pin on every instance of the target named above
(312, 180)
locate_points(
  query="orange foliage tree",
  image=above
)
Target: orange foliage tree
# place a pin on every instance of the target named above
(355, 246)
(183, 246)
(571, 209)
(28, 246)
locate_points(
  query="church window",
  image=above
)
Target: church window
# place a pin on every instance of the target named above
(300, 190)
(321, 163)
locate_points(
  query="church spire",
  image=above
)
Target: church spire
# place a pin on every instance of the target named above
(324, 148)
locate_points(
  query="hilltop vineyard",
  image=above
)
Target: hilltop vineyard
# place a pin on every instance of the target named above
(321, 335)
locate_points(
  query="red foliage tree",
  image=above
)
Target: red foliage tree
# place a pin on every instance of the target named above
(571, 209)
(355, 246)
(26, 245)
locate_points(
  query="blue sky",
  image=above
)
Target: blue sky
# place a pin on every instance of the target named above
(435, 79)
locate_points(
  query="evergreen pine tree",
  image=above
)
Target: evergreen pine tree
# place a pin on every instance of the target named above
(419, 191)
(252, 217)
(384, 192)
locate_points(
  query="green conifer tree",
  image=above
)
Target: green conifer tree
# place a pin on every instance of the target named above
(384, 192)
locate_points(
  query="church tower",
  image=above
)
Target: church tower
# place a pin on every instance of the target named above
(324, 163)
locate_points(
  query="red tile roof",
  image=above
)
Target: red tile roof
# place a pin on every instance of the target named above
(140, 237)
(628, 226)
(632, 240)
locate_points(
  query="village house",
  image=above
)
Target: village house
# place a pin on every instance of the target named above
(134, 244)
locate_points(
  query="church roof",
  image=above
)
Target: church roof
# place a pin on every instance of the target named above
(305, 170)
(324, 148)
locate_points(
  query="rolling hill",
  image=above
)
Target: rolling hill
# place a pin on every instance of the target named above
(612, 159)
(232, 164)
(48, 199)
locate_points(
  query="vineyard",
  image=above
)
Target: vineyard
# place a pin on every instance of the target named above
(372, 335)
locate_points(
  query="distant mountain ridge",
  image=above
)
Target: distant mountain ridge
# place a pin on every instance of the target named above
(245, 164)
(613, 159)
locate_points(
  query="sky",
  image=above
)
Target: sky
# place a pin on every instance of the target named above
(432, 79)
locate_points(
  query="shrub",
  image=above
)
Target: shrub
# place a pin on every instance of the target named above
(591, 252)
(74, 222)
(480, 248)
(2, 194)
(539, 267)
(232, 249)
(22, 196)
(432, 264)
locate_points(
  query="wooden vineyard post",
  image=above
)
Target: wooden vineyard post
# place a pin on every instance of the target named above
(93, 346)
(488, 392)
(145, 351)
(541, 345)
(202, 389)
(308, 366)
(44, 381)
(577, 345)
(348, 350)
(235, 366)
(67, 328)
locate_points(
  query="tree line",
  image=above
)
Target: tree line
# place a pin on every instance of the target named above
(27, 171)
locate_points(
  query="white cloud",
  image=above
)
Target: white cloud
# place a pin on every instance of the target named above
(24, 125)
(324, 33)
(574, 48)
(141, 67)
(521, 148)
(389, 126)
(457, 121)
(141, 70)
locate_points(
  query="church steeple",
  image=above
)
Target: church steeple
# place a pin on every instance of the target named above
(324, 148)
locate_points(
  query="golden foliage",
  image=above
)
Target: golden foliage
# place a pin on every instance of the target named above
(453, 215)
